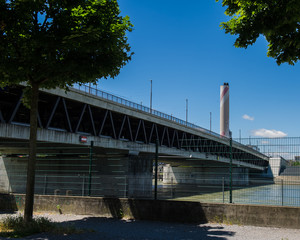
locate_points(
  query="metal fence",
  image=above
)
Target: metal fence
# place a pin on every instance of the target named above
(287, 147)
(87, 171)
(205, 181)
(70, 170)
(215, 187)
(59, 170)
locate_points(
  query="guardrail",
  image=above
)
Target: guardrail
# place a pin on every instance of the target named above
(136, 106)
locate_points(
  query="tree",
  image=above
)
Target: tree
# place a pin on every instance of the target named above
(277, 20)
(56, 43)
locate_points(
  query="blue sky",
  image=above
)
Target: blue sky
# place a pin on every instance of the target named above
(180, 46)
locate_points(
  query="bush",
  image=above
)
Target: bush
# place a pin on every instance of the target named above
(16, 227)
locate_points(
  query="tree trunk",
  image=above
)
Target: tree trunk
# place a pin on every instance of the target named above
(32, 153)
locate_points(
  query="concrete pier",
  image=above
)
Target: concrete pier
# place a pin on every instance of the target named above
(121, 175)
(204, 175)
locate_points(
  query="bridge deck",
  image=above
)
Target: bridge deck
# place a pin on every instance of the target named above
(63, 117)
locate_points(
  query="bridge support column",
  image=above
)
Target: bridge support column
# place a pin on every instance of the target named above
(140, 176)
(276, 167)
(12, 174)
(126, 176)
(206, 176)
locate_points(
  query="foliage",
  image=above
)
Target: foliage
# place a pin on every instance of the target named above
(54, 43)
(277, 20)
(57, 43)
(295, 163)
(16, 227)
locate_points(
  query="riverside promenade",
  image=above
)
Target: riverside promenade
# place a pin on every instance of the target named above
(99, 228)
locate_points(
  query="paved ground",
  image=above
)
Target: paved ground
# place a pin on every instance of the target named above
(113, 229)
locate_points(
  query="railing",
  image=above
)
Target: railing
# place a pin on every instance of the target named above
(136, 106)
(104, 95)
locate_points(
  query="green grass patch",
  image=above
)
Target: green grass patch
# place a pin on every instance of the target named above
(16, 227)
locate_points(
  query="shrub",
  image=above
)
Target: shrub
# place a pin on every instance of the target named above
(16, 227)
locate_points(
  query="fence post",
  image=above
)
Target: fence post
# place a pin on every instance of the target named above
(125, 192)
(172, 190)
(223, 189)
(281, 192)
(45, 184)
(90, 167)
(83, 185)
(156, 169)
(230, 170)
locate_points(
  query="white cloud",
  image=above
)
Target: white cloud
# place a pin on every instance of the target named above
(268, 133)
(247, 117)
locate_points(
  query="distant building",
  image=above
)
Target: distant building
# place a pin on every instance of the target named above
(297, 158)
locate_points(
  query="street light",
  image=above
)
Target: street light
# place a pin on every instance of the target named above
(151, 97)
(186, 111)
(210, 121)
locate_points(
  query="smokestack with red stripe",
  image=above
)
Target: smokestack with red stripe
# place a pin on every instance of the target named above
(224, 110)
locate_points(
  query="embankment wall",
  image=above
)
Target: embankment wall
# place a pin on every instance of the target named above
(160, 210)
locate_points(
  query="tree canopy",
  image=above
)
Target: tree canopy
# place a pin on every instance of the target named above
(57, 43)
(277, 20)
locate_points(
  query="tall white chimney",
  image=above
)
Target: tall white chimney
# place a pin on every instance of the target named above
(224, 110)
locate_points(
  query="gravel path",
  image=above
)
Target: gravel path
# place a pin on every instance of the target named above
(113, 229)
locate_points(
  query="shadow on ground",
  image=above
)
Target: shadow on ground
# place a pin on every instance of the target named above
(115, 229)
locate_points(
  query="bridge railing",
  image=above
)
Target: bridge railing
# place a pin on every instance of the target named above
(108, 96)
(125, 102)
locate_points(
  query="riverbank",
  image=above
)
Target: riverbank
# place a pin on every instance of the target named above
(127, 229)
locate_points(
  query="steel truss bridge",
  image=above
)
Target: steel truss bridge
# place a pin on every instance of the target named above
(91, 112)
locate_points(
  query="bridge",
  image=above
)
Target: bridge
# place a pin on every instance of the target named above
(119, 130)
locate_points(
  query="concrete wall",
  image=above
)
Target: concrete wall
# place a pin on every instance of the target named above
(192, 212)
(208, 175)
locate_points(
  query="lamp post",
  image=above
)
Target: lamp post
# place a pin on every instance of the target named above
(151, 97)
(230, 168)
(186, 110)
(156, 169)
(210, 121)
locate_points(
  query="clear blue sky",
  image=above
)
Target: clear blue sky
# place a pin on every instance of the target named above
(180, 46)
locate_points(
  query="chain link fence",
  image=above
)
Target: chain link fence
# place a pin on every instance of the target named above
(86, 171)
(211, 181)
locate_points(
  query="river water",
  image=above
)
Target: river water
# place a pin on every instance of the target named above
(271, 194)
(274, 194)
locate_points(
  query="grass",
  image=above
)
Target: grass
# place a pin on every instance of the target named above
(224, 220)
(16, 227)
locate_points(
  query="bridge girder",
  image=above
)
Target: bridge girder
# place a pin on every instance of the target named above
(69, 115)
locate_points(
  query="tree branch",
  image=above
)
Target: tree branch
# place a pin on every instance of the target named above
(36, 23)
